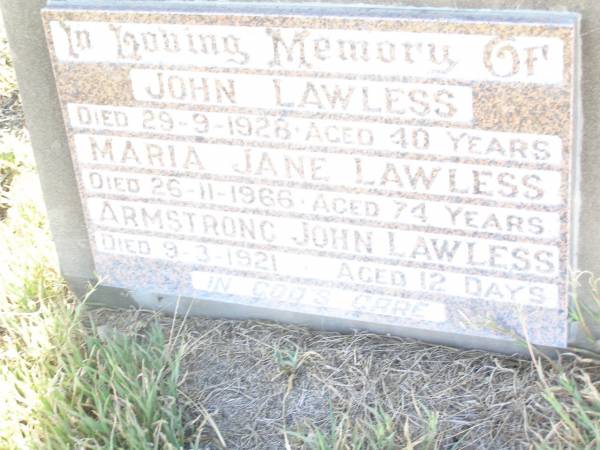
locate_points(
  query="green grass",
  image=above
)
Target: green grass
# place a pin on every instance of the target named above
(121, 392)
(63, 383)
(576, 400)
(77, 388)
(572, 388)
(378, 430)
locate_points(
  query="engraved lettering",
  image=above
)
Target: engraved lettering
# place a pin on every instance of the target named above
(78, 40)
(501, 58)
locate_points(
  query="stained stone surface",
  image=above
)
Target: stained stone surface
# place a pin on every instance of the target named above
(404, 167)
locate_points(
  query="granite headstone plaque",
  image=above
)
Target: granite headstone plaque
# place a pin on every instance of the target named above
(407, 167)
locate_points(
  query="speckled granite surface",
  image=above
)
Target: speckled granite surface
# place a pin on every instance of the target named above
(537, 259)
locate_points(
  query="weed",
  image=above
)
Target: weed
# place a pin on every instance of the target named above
(287, 359)
(378, 430)
(572, 388)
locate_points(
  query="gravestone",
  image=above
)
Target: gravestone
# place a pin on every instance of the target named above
(413, 171)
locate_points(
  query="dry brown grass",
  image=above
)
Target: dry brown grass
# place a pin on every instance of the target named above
(235, 371)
